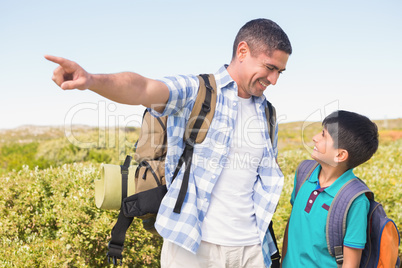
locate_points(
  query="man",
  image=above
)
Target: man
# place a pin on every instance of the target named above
(235, 182)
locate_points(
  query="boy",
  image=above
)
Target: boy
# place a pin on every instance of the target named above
(346, 141)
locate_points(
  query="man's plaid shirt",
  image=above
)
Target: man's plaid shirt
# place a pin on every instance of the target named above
(209, 159)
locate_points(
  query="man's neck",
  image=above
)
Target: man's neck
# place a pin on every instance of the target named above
(231, 68)
(233, 71)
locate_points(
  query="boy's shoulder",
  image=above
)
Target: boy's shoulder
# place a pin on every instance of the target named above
(304, 171)
(306, 168)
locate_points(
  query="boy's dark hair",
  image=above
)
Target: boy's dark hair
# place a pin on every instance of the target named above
(262, 35)
(353, 132)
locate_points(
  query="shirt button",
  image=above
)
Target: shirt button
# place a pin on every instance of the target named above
(234, 104)
(315, 192)
(310, 201)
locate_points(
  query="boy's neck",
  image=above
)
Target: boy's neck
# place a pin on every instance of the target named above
(329, 174)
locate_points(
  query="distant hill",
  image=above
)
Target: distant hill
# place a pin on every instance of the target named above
(29, 133)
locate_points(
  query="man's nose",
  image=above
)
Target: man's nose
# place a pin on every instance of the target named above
(273, 78)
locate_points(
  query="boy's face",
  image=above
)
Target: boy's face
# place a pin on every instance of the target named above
(324, 150)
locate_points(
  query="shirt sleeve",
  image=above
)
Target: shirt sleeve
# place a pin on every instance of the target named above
(182, 94)
(356, 223)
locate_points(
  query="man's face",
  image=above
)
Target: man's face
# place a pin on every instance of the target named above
(260, 71)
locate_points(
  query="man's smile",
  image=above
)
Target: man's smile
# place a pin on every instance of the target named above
(262, 83)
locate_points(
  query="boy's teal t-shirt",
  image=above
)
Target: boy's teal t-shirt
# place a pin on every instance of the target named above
(307, 245)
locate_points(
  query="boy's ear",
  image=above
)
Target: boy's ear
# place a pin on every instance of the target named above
(341, 156)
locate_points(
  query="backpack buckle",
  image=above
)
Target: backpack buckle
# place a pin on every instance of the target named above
(339, 259)
(206, 107)
(114, 260)
(190, 142)
(209, 87)
(116, 255)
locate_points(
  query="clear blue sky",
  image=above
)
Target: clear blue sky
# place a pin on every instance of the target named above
(346, 54)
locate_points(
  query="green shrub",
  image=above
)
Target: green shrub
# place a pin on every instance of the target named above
(15, 155)
(48, 218)
(54, 153)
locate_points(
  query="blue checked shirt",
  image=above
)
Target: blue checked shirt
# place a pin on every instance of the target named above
(209, 159)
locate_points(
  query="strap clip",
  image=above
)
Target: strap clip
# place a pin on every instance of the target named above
(338, 250)
(114, 258)
(206, 107)
(339, 259)
(190, 142)
(109, 255)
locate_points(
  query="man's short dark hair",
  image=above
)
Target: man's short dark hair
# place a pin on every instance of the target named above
(353, 132)
(262, 35)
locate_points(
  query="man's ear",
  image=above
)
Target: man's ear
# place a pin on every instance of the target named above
(242, 50)
(341, 156)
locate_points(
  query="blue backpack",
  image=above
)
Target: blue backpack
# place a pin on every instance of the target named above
(383, 238)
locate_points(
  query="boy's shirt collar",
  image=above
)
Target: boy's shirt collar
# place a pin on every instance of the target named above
(333, 189)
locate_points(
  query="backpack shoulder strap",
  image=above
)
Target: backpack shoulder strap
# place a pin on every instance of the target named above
(203, 115)
(270, 113)
(200, 119)
(303, 172)
(336, 219)
(206, 100)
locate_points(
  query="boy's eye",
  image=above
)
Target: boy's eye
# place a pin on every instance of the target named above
(270, 68)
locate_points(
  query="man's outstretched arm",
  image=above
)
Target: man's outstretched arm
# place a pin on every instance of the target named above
(126, 87)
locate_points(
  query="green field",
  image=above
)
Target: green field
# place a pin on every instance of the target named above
(48, 216)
